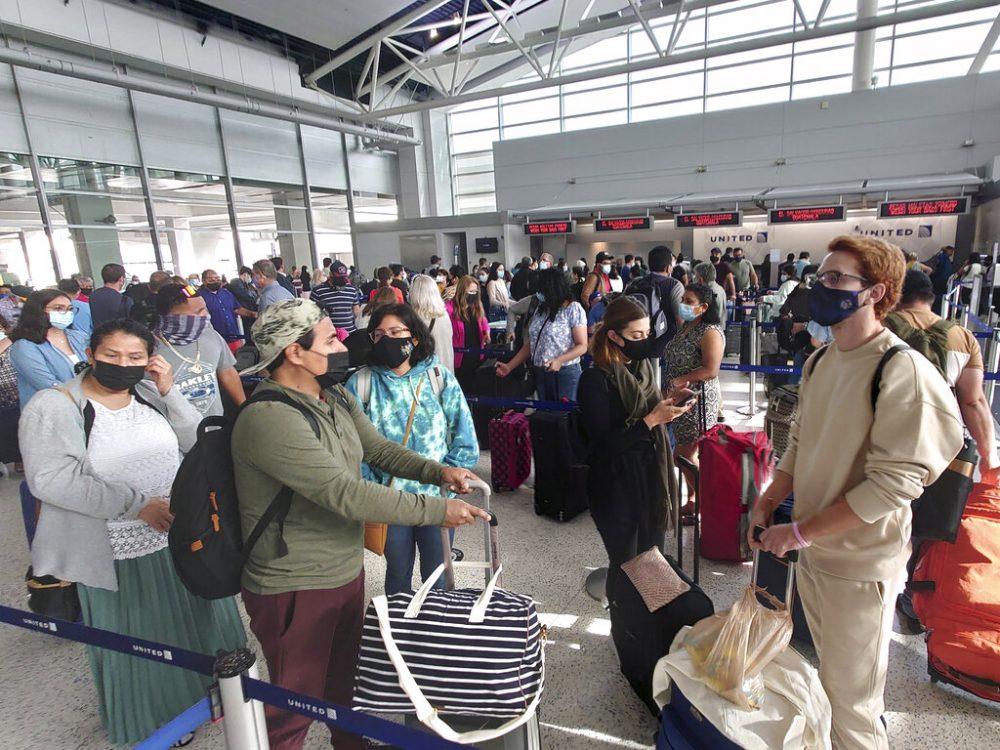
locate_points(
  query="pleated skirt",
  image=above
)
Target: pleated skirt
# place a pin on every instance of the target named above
(137, 696)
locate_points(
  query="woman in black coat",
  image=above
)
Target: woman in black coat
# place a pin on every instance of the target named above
(632, 487)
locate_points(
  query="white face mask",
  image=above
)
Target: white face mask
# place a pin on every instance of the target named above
(499, 272)
(543, 265)
(606, 268)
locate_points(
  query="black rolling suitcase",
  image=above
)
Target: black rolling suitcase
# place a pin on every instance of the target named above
(485, 382)
(10, 449)
(642, 637)
(560, 472)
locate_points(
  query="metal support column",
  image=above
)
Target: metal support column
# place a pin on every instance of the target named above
(36, 176)
(144, 180)
(310, 225)
(350, 202)
(864, 48)
(237, 245)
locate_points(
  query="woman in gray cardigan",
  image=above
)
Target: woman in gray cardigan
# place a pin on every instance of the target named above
(104, 520)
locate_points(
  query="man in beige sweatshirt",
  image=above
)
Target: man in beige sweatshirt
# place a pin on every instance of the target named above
(854, 473)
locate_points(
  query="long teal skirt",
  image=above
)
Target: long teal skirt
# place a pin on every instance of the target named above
(137, 696)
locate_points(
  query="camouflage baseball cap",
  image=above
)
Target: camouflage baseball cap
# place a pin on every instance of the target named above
(280, 325)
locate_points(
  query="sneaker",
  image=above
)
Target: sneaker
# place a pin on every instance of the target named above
(457, 555)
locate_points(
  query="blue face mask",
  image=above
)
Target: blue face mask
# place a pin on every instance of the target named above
(61, 320)
(687, 312)
(831, 306)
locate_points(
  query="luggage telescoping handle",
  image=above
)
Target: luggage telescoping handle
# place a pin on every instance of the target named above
(491, 536)
(792, 556)
(696, 564)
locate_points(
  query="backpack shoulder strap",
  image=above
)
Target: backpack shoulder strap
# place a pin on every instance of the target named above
(877, 380)
(277, 509)
(437, 380)
(817, 357)
(281, 398)
(364, 384)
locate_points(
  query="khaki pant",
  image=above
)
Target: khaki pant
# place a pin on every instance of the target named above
(851, 625)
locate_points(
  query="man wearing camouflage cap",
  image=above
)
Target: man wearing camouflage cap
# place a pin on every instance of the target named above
(303, 585)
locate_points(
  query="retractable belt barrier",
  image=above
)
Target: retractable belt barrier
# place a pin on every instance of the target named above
(332, 714)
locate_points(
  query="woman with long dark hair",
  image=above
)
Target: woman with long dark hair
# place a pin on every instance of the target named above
(632, 488)
(693, 357)
(104, 519)
(556, 339)
(412, 399)
(469, 326)
(45, 350)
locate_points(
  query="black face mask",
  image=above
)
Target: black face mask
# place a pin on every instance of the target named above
(87, 290)
(213, 287)
(640, 349)
(118, 378)
(338, 369)
(390, 353)
(471, 299)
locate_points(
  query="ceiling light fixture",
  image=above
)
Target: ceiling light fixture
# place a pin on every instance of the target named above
(433, 33)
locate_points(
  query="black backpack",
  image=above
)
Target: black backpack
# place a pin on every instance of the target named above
(206, 537)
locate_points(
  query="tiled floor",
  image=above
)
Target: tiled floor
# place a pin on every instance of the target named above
(49, 703)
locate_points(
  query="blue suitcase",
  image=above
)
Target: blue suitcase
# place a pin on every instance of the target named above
(682, 727)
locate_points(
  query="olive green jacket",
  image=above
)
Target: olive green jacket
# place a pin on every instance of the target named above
(274, 446)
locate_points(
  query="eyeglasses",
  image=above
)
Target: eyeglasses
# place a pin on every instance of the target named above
(832, 279)
(393, 333)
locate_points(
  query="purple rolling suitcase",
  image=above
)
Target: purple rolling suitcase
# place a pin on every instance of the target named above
(510, 451)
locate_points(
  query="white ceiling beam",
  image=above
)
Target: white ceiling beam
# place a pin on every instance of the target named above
(468, 74)
(582, 30)
(801, 14)
(646, 27)
(525, 52)
(364, 73)
(406, 61)
(675, 35)
(458, 55)
(559, 29)
(822, 12)
(436, 25)
(449, 43)
(357, 49)
(986, 48)
(774, 40)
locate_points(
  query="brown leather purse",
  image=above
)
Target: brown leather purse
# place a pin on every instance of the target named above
(377, 533)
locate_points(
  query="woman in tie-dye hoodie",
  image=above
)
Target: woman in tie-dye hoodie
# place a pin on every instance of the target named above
(404, 375)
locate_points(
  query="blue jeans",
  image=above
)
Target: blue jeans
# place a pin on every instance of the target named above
(555, 386)
(401, 545)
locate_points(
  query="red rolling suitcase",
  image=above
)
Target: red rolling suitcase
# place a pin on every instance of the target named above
(734, 467)
(510, 451)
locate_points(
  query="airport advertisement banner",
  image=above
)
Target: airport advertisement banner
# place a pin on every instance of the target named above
(924, 236)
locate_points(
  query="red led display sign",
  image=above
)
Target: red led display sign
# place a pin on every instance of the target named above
(805, 215)
(717, 219)
(623, 225)
(550, 227)
(932, 207)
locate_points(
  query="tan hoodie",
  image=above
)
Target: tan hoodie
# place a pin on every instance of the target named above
(880, 461)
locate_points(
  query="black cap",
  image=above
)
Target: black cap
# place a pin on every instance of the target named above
(917, 282)
(604, 256)
(435, 259)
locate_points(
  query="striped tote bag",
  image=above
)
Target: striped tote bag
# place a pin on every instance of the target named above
(459, 652)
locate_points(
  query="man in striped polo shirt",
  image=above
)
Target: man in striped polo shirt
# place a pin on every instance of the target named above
(340, 300)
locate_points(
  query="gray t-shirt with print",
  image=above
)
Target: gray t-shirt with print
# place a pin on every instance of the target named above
(195, 367)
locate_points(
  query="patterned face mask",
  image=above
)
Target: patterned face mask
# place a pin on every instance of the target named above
(182, 329)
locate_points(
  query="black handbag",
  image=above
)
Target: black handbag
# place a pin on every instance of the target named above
(937, 514)
(52, 597)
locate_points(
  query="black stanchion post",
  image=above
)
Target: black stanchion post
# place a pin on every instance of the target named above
(243, 723)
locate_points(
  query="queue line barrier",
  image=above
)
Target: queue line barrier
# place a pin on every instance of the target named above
(238, 696)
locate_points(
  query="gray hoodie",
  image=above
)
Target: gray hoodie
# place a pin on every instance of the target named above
(71, 542)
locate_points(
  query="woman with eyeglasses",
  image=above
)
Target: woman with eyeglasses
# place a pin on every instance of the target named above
(104, 519)
(470, 328)
(45, 350)
(693, 356)
(415, 401)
